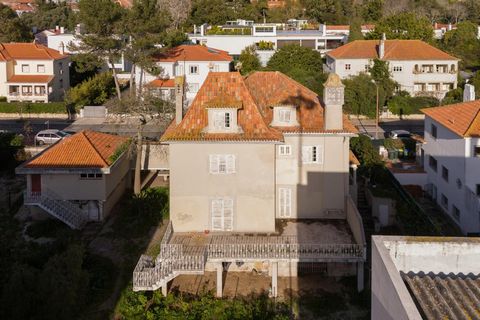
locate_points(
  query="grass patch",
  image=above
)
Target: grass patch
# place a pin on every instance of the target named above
(26, 107)
(141, 212)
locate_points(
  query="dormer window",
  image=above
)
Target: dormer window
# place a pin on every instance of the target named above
(222, 120)
(284, 116)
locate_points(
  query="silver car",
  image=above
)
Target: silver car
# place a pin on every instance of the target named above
(49, 136)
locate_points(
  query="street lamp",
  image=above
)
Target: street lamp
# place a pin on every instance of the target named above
(376, 113)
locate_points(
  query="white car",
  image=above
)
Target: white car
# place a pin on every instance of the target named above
(400, 134)
(49, 136)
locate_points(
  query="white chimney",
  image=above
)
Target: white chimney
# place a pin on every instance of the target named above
(179, 95)
(381, 47)
(333, 97)
(62, 30)
(323, 28)
(469, 93)
(57, 28)
(449, 28)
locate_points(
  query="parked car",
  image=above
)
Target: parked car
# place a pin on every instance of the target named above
(400, 134)
(49, 136)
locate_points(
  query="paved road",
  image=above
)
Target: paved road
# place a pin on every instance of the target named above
(18, 125)
(368, 126)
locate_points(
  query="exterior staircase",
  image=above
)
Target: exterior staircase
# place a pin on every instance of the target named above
(171, 262)
(63, 210)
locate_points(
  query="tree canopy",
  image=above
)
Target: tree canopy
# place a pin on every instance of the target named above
(249, 60)
(406, 25)
(463, 43)
(303, 64)
(12, 28)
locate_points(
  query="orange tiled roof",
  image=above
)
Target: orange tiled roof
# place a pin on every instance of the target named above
(12, 51)
(162, 83)
(394, 50)
(196, 119)
(253, 97)
(30, 79)
(461, 118)
(275, 88)
(125, 3)
(193, 53)
(86, 149)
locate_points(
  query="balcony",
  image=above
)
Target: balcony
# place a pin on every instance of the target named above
(339, 240)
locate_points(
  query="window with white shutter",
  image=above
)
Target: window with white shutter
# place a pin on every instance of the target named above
(312, 154)
(285, 202)
(285, 150)
(222, 163)
(222, 214)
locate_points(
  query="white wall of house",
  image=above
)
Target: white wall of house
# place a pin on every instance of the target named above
(251, 187)
(318, 187)
(412, 75)
(195, 73)
(455, 154)
(54, 91)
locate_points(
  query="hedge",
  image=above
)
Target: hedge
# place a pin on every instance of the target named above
(26, 107)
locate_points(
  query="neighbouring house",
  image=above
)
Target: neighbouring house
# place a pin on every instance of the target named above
(267, 37)
(194, 62)
(20, 6)
(259, 179)
(417, 67)
(428, 278)
(451, 156)
(79, 178)
(31, 72)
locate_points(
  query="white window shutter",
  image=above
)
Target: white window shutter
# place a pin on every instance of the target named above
(218, 120)
(230, 159)
(320, 154)
(214, 163)
(227, 214)
(306, 154)
(217, 213)
(285, 202)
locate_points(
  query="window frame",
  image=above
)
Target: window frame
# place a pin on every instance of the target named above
(219, 206)
(476, 151)
(222, 164)
(444, 201)
(39, 66)
(283, 114)
(433, 131)
(91, 176)
(445, 173)
(285, 150)
(397, 68)
(25, 67)
(456, 212)
(284, 202)
(315, 154)
(348, 66)
(197, 68)
(433, 163)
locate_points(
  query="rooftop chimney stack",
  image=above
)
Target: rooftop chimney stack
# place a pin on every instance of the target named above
(381, 47)
(62, 30)
(333, 96)
(179, 97)
(469, 93)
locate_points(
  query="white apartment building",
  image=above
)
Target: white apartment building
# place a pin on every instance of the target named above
(233, 38)
(33, 73)
(194, 62)
(417, 67)
(452, 161)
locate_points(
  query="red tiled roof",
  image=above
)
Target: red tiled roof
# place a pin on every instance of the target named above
(125, 3)
(86, 149)
(461, 118)
(30, 79)
(196, 119)
(253, 97)
(11, 51)
(274, 88)
(162, 83)
(394, 50)
(193, 53)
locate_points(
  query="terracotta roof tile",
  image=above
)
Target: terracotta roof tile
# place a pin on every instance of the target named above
(30, 79)
(394, 50)
(162, 83)
(461, 118)
(12, 51)
(249, 118)
(86, 149)
(274, 88)
(193, 53)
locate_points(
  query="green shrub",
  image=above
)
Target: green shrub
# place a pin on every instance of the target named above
(403, 104)
(3, 99)
(26, 107)
(92, 92)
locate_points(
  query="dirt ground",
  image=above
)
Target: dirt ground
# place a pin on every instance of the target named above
(238, 284)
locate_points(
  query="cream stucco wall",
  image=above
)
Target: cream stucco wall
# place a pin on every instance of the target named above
(317, 187)
(252, 186)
